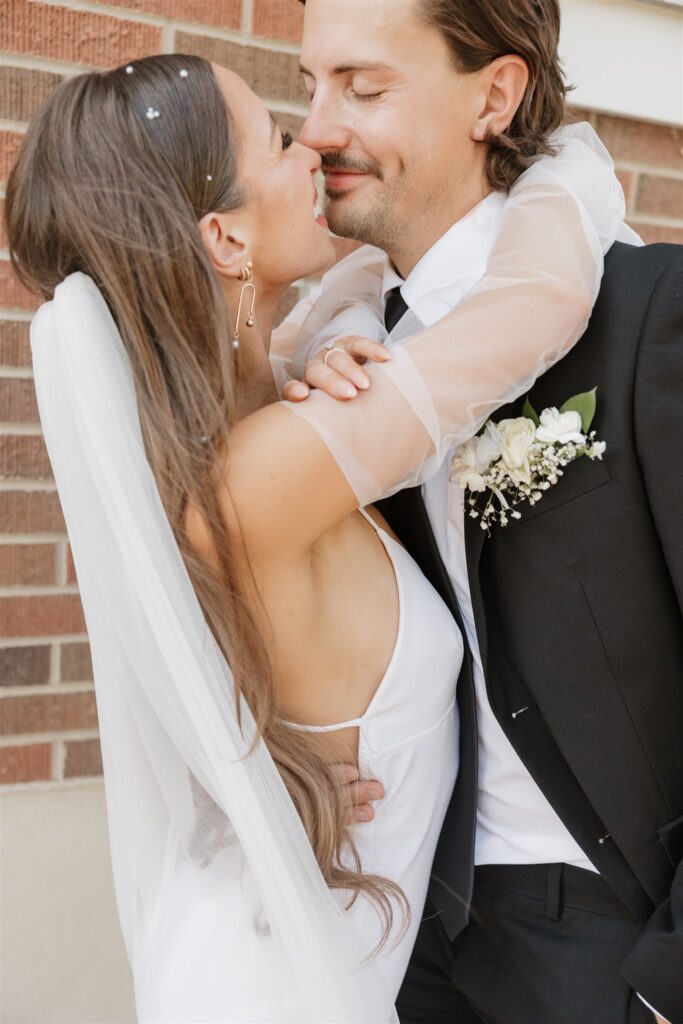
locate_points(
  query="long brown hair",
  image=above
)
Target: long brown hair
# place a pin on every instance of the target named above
(112, 178)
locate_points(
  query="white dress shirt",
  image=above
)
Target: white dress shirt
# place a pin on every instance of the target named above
(515, 822)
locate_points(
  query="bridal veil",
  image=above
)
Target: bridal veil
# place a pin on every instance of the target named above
(196, 826)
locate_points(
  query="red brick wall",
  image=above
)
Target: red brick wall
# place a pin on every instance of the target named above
(48, 721)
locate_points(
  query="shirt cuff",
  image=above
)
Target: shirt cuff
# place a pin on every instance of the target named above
(652, 1008)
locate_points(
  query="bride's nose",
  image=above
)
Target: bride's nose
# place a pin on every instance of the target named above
(312, 157)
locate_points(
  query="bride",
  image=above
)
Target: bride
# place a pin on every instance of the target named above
(253, 622)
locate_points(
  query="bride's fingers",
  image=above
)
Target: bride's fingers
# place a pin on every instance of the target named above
(295, 391)
(357, 793)
(345, 773)
(341, 363)
(326, 379)
(342, 376)
(365, 348)
(360, 812)
(362, 792)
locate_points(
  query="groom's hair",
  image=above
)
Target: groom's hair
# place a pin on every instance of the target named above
(476, 33)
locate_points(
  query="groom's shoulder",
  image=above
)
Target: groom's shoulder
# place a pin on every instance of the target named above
(632, 272)
(641, 297)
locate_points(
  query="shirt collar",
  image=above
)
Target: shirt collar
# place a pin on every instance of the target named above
(454, 263)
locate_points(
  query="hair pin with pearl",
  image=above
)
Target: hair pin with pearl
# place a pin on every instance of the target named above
(151, 113)
(130, 69)
(183, 72)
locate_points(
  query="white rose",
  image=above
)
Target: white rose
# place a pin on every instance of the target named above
(560, 427)
(518, 436)
(466, 466)
(489, 446)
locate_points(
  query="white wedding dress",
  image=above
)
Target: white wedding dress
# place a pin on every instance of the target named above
(224, 911)
(408, 737)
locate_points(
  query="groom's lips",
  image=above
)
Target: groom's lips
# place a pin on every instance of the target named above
(340, 180)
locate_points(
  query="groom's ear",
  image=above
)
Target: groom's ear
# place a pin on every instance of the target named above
(225, 243)
(503, 82)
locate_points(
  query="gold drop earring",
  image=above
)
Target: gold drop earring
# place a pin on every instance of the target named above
(247, 276)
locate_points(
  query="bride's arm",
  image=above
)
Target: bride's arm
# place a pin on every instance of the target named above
(348, 299)
(295, 470)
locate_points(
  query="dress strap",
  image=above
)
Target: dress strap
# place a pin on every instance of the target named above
(366, 515)
(376, 526)
(336, 727)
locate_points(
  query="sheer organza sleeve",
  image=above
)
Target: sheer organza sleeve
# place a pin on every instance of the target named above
(285, 340)
(443, 383)
(348, 299)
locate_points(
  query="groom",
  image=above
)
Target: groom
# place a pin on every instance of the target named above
(557, 888)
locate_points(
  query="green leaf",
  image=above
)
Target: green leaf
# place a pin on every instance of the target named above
(585, 405)
(530, 412)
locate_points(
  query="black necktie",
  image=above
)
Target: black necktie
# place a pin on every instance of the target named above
(394, 309)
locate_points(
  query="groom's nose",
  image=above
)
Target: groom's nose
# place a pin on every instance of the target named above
(324, 128)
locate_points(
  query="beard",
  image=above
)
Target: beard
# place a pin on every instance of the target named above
(378, 223)
(373, 227)
(348, 218)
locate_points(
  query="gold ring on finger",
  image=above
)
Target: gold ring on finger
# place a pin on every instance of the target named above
(329, 352)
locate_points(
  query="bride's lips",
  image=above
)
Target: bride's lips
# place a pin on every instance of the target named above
(320, 218)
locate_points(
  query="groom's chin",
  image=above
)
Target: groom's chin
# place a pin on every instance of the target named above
(343, 219)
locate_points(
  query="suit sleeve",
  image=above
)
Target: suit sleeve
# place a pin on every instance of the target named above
(653, 967)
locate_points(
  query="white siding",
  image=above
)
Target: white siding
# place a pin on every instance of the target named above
(625, 57)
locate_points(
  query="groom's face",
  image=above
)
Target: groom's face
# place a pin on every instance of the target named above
(393, 120)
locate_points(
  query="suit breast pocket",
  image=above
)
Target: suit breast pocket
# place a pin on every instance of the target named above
(579, 478)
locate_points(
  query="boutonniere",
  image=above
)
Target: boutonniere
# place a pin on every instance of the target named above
(518, 459)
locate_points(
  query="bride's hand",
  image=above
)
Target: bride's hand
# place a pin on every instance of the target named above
(358, 793)
(338, 370)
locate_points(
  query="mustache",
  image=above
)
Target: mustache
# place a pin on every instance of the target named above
(340, 161)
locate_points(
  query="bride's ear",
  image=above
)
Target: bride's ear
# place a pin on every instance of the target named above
(504, 82)
(224, 243)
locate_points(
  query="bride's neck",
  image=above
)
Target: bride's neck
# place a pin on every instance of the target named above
(255, 381)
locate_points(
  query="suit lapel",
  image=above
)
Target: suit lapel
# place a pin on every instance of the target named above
(475, 538)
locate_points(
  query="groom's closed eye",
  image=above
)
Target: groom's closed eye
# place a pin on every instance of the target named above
(364, 96)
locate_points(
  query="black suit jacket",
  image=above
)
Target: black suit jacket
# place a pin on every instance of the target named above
(579, 614)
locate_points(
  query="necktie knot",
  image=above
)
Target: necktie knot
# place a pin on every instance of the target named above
(395, 307)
